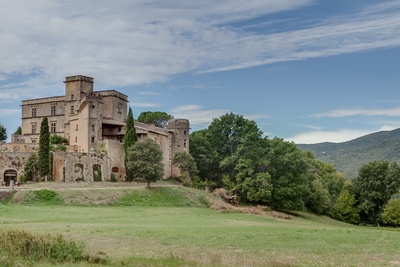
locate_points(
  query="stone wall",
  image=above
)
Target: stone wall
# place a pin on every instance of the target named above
(80, 167)
(13, 161)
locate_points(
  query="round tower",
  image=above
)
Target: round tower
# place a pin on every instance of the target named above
(180, 135)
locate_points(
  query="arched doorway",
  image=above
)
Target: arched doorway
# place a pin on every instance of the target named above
(10, 175)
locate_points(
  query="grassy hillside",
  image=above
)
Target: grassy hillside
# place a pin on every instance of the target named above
(349, 156)
(172, 226)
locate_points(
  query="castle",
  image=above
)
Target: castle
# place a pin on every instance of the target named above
(93, 122)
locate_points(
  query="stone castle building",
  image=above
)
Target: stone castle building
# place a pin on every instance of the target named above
(93, 122)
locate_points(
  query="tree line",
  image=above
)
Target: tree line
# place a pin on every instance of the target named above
(233, 153)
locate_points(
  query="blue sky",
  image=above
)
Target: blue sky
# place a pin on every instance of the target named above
(306, 71)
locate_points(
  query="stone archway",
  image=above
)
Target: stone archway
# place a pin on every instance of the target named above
(9, 175)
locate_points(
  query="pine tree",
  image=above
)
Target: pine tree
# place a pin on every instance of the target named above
(130, 139)
(44, 148)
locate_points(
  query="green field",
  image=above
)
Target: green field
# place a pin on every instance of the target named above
(170, 231)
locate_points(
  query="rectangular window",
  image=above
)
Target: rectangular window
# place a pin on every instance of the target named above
(72, 97)
(93, 127)
(53, 110)
(76, 139)
(120, 108)
(34, 141)
(53, 127)
(33, 112)
(76, 127)
(33, 128)
(72, 109)
(93, 139)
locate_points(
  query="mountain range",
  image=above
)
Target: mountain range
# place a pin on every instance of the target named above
(348, 157)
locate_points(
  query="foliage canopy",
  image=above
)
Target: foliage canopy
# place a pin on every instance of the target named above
(145, 161)
(3, 132)
(158, 118)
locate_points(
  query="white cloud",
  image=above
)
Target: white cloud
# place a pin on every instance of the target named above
(197, 115)
(337, 113)
(145, 104)
(4, 112)
(8, 96)
(327, 136)
(137, 42)
(148, 93)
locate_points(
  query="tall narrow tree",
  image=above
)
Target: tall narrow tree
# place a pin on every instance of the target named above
(3, 132)
(130, 139)
(44, 148)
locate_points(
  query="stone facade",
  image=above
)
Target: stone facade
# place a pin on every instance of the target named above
(93, 122)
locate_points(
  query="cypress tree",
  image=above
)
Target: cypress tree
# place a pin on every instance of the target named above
(44, 148)
(130, 139)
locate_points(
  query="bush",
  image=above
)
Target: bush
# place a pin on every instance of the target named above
(47, 196)
(20, 248)
(113, 179)
(344, 208)
(391, 214)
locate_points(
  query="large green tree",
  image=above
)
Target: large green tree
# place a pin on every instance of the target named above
(158, 118)
(145, 161)
(205, 156)
(391, 214)
(130, 139)
(227, 135)
(44, 148)
(290, 176)
(377, 181)
(3, 132)
(345, 207)
(186, 164)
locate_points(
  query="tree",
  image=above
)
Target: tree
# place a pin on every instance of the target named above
(345, 208)
(186, 164)
(290, 175)
(44, 148)
(227, 135)
(3, 132)
(58, 143)
(377, 181)
(130, 139)
(31, 168)
(18, 131)
(391, 214)
(252, 186)
(158, 118)
(204, 155)
(145, 161)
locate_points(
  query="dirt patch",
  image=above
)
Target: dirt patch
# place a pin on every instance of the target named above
(219, 204)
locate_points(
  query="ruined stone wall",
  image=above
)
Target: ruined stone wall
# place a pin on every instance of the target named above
(116, 154)
(13, 161)
(80, 167)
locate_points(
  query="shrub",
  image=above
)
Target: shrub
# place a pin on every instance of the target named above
(344, 208)
(391, 214)
(113, 178)
(20, 248)
(47, 196)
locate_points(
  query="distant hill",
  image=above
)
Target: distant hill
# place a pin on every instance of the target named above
(349, 156)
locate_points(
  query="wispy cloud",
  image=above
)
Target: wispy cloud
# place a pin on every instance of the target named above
(339, 136)
(145, 104)
(197, 115)
(148, 93)
(8, 96)
(9, 112)
(337, 113)
(190, 36)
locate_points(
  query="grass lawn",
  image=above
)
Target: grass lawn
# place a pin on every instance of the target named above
(151, 235)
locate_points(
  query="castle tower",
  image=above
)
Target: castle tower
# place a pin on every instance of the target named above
(179, 130)
(75, 88)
